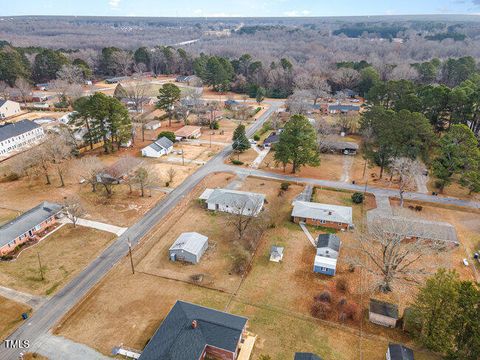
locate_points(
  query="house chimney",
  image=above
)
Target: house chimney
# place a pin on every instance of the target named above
(194, 324)
(329, 213)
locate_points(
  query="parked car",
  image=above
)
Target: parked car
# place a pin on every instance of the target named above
(252, 142)
(465, 262)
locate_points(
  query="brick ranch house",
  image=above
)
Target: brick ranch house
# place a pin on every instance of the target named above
(26, 226)
(316, 214)
(192, 332)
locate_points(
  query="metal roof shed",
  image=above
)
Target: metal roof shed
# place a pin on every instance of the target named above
(189, 247)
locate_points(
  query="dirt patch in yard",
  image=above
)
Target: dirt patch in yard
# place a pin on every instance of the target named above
(63, 254)
(10, 316)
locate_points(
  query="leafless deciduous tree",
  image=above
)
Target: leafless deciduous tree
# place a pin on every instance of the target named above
(346, 78)
(324, 131)
(316, 85)
(171, 174)
(406, 170)
(123, 61)
(388, 254)
(71, 74)
(142, 178)
(137, 94)
(73, 209)
(58, 150)
(24, 88)
(300, 102)
(4, 90)
(87, 169)
(241, 216)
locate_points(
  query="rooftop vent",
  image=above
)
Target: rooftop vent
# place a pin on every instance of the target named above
(194, 324)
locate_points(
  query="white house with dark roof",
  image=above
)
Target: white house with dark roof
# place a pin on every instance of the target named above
(161, 147)
(326, 215)
(19, 135)
(233, 201)
(189, 247)
(399, 352)
(9, 108)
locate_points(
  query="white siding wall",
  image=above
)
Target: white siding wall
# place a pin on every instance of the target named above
(21, 141)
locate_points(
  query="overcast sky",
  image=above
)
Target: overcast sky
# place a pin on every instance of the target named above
(194, 8)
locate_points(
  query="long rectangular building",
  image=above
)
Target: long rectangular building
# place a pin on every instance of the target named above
(19, 135)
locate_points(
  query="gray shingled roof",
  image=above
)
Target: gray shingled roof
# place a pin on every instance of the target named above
(191, 242)
(10, 130)
(384, 308)
(2, 102)
(162, 143)
(329, 240)
(327, 212)
(273, 138)
(27, 221)
(340, 107)
(306, 356)
(340, 145)
(237, 199)
(176, 339)
(400, 352)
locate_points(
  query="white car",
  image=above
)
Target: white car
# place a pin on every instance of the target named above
(465, 262)
(251, 141)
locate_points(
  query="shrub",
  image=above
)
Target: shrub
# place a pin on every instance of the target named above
(342, 285)
(342, 302)
(237, 162)
(256, 137)
(167, 184)
(284, 186)
(320, 310)
(168, 134)
(357, 198)
(240, 261)
(324, 296)
(351, 311)
(215, 125)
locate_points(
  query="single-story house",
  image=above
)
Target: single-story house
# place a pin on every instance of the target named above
(233, 201)
(399, 352)
(272, 139)
(189, 247)
(188, 132)
(42, 86)
(193, 332)
(116, 80)
(18, 135)
(413, 228)
(191, 102)
(306, 356)
(153, 125)
(328, 247)
(232, 104)
(342, 109)
(316, 214)
(158, 148)
(191, 80)
(344, 147)
(26, 226)
(383, 313)
(9, 108)
(276, 253)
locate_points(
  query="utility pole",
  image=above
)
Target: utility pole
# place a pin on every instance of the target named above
(40, 266)
(183, 158)
(131, 258)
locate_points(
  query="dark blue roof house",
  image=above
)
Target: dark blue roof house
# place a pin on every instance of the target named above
(189, 332)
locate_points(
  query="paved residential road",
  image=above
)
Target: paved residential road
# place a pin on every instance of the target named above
(47, 315)
(54, 309)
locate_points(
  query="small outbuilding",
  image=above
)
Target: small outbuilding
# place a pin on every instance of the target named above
(188, 132)
(328, 247)
(383, 313)
(161, 147)
(153, 125)
(276, 253)
(399, 352)
(189, 247)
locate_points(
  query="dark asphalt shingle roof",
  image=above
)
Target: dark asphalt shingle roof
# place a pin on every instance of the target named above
(273, 138)
(306, 356)
(330, 241)
(176, 339)
(384, 308)
(2, 102)
(10, 130)
(162, 143)
(400, 352)
(28, 220)
(340, 107)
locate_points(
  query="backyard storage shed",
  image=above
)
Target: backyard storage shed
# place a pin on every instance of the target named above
(328, 247)
(332, 216)
(189, 247)
(188, 132)
(399, 352)
(27, 226)
(276, 253)
(162, 146)
(153, 125)
(233, 201)
(383, 313)
(306, 356)
(193, 332)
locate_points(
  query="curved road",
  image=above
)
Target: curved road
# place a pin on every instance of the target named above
(54, 309)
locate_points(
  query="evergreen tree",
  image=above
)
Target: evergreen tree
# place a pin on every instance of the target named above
(240, 140)
(297, 144)
(46, 65)
(169, 95)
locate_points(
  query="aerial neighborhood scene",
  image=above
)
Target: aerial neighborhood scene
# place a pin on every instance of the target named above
(249, 180)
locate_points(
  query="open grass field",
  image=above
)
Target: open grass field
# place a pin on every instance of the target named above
(10, 316)
(63, 254)
(276, 297)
